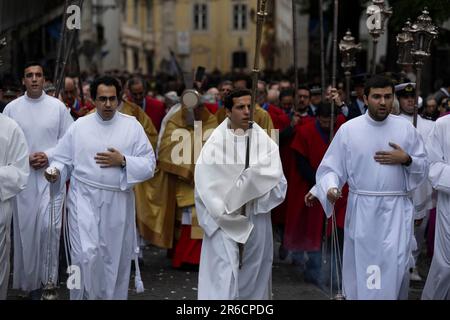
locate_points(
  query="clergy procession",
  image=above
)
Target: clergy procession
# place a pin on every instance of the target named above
(336, 170)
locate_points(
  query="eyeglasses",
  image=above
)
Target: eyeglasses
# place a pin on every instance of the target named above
(111, 99)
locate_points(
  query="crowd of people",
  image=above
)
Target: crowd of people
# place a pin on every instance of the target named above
(118, 161)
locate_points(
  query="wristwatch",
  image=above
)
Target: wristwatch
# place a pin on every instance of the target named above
(407, 163)
(124, 162)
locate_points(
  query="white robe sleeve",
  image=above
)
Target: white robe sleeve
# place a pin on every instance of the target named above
(14, 174)
(332, 171)
(236, 226)
(272, 198)
(141, 164)
(417, 171)
(62, 159)
(439, 173)
(250, 185)
(205, 220)
(65, 121)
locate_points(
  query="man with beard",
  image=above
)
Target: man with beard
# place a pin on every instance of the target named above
(382, 158)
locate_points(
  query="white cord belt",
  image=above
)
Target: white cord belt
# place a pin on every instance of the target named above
(98, 185)
(379, 193)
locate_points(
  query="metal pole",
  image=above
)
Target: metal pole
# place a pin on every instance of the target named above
(322, 51)
(334, 67)
(62, 36)
(294, 43)
(77, 65)
(347, 87)
(374, 56)
(61, 75)
(261, 14)
(418, 84)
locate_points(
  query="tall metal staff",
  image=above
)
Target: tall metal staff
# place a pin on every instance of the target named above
(423, 32)
(348, 49)
(414, 44)
(334, 66)
(322, 50)
(67, 51)
(335, 253)
(335, 23)
(62, 39)
(294, 43)
(261, 15)
(377, 14)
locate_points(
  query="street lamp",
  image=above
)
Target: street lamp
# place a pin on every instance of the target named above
(377, 14)
(348, 49)
(405, 42)
(423, 32)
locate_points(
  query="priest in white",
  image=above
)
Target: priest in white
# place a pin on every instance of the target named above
(14, 171)
(107, 153)
(423, 197)
(382, 158)
(44, 120)
(437, 285)
(222, 188)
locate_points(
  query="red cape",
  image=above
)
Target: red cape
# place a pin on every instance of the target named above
(304, 225)
(155, 110)
(288, 162)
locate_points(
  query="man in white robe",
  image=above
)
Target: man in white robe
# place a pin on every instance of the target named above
(437, 285)
(382, 158)
(107, 153)
(222, 188)
(422, 197)
(14, 171)
(44, 120)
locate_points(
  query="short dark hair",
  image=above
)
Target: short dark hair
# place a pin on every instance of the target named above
(324, 110)
(107, 81)
(135, 80)
(378, 82)
(32, 64)
(288, 92)
(236, 93)
(304, 87)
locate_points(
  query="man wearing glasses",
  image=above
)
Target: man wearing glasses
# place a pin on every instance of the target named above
(106, 154)
(44, 120)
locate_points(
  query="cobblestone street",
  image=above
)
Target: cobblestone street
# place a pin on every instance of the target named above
(162, 282)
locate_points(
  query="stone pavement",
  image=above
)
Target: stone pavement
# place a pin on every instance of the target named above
(162, 282)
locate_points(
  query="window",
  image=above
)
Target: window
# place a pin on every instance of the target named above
(240, 17)
(136, 12)
(239, 60)
(149, 14)
(200, 17)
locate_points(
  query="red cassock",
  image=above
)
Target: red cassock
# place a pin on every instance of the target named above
(288, 162)
(304, 225)
(279, 118)
(155, 110)
(212, 107)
